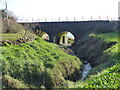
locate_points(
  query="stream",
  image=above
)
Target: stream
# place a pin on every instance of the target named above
(86, 70)
(87, 66)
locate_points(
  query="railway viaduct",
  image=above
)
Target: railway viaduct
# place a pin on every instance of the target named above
(77, 28)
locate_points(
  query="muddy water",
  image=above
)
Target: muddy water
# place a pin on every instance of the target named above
(86, 70)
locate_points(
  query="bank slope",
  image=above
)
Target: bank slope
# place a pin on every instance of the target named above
(38, 63)
(104, 55)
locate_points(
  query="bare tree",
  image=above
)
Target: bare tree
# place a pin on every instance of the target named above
(6, 9)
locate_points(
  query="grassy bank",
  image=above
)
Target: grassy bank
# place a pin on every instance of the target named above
(38, 63)
(104, 74)
(16, 36)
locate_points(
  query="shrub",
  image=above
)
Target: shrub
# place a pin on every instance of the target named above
(14, 27)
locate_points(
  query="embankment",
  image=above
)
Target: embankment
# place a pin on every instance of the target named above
(92, 48)
(101, 51)
(37, 64)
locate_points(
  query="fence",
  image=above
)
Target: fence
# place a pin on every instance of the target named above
(62, 19)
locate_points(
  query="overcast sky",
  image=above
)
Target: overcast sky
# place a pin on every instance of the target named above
(62, 8)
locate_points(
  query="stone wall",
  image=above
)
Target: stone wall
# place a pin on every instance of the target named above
(17, 42)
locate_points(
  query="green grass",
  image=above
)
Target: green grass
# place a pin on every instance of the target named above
(11, 37)
(107, 78)
(108, 37)
(113, 51)
(106, 74)
(16, 36)
(38, 63)
(46, 63)
(13, 83)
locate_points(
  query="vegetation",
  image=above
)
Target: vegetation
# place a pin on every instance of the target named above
(42, 34)
(108, 37)
(11, 30)
(38, 62)
(42, 61)
(106, 74)
(70, 40)
(12, 83)
(16, 36)
(107, 78)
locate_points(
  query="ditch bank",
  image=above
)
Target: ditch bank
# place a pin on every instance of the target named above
(91, 49)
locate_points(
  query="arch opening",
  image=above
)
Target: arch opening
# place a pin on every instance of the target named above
(66, 38)
(42, 34)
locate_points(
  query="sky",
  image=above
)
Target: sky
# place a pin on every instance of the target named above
(65, 9)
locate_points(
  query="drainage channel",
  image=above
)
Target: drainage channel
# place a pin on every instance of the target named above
(86, 70)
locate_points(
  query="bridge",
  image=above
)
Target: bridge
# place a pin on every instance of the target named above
(77, 28)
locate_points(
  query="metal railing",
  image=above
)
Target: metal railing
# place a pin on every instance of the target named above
(61, 19)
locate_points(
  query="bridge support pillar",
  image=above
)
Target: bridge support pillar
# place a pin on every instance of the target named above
(52, 38)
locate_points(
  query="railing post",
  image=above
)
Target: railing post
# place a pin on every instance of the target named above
(74, 18)
(59, 19)
(91, 18)
(82, 18)
(99, 17)
(111, 18)
(67, 18)
(107, 17)
(45, 19)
